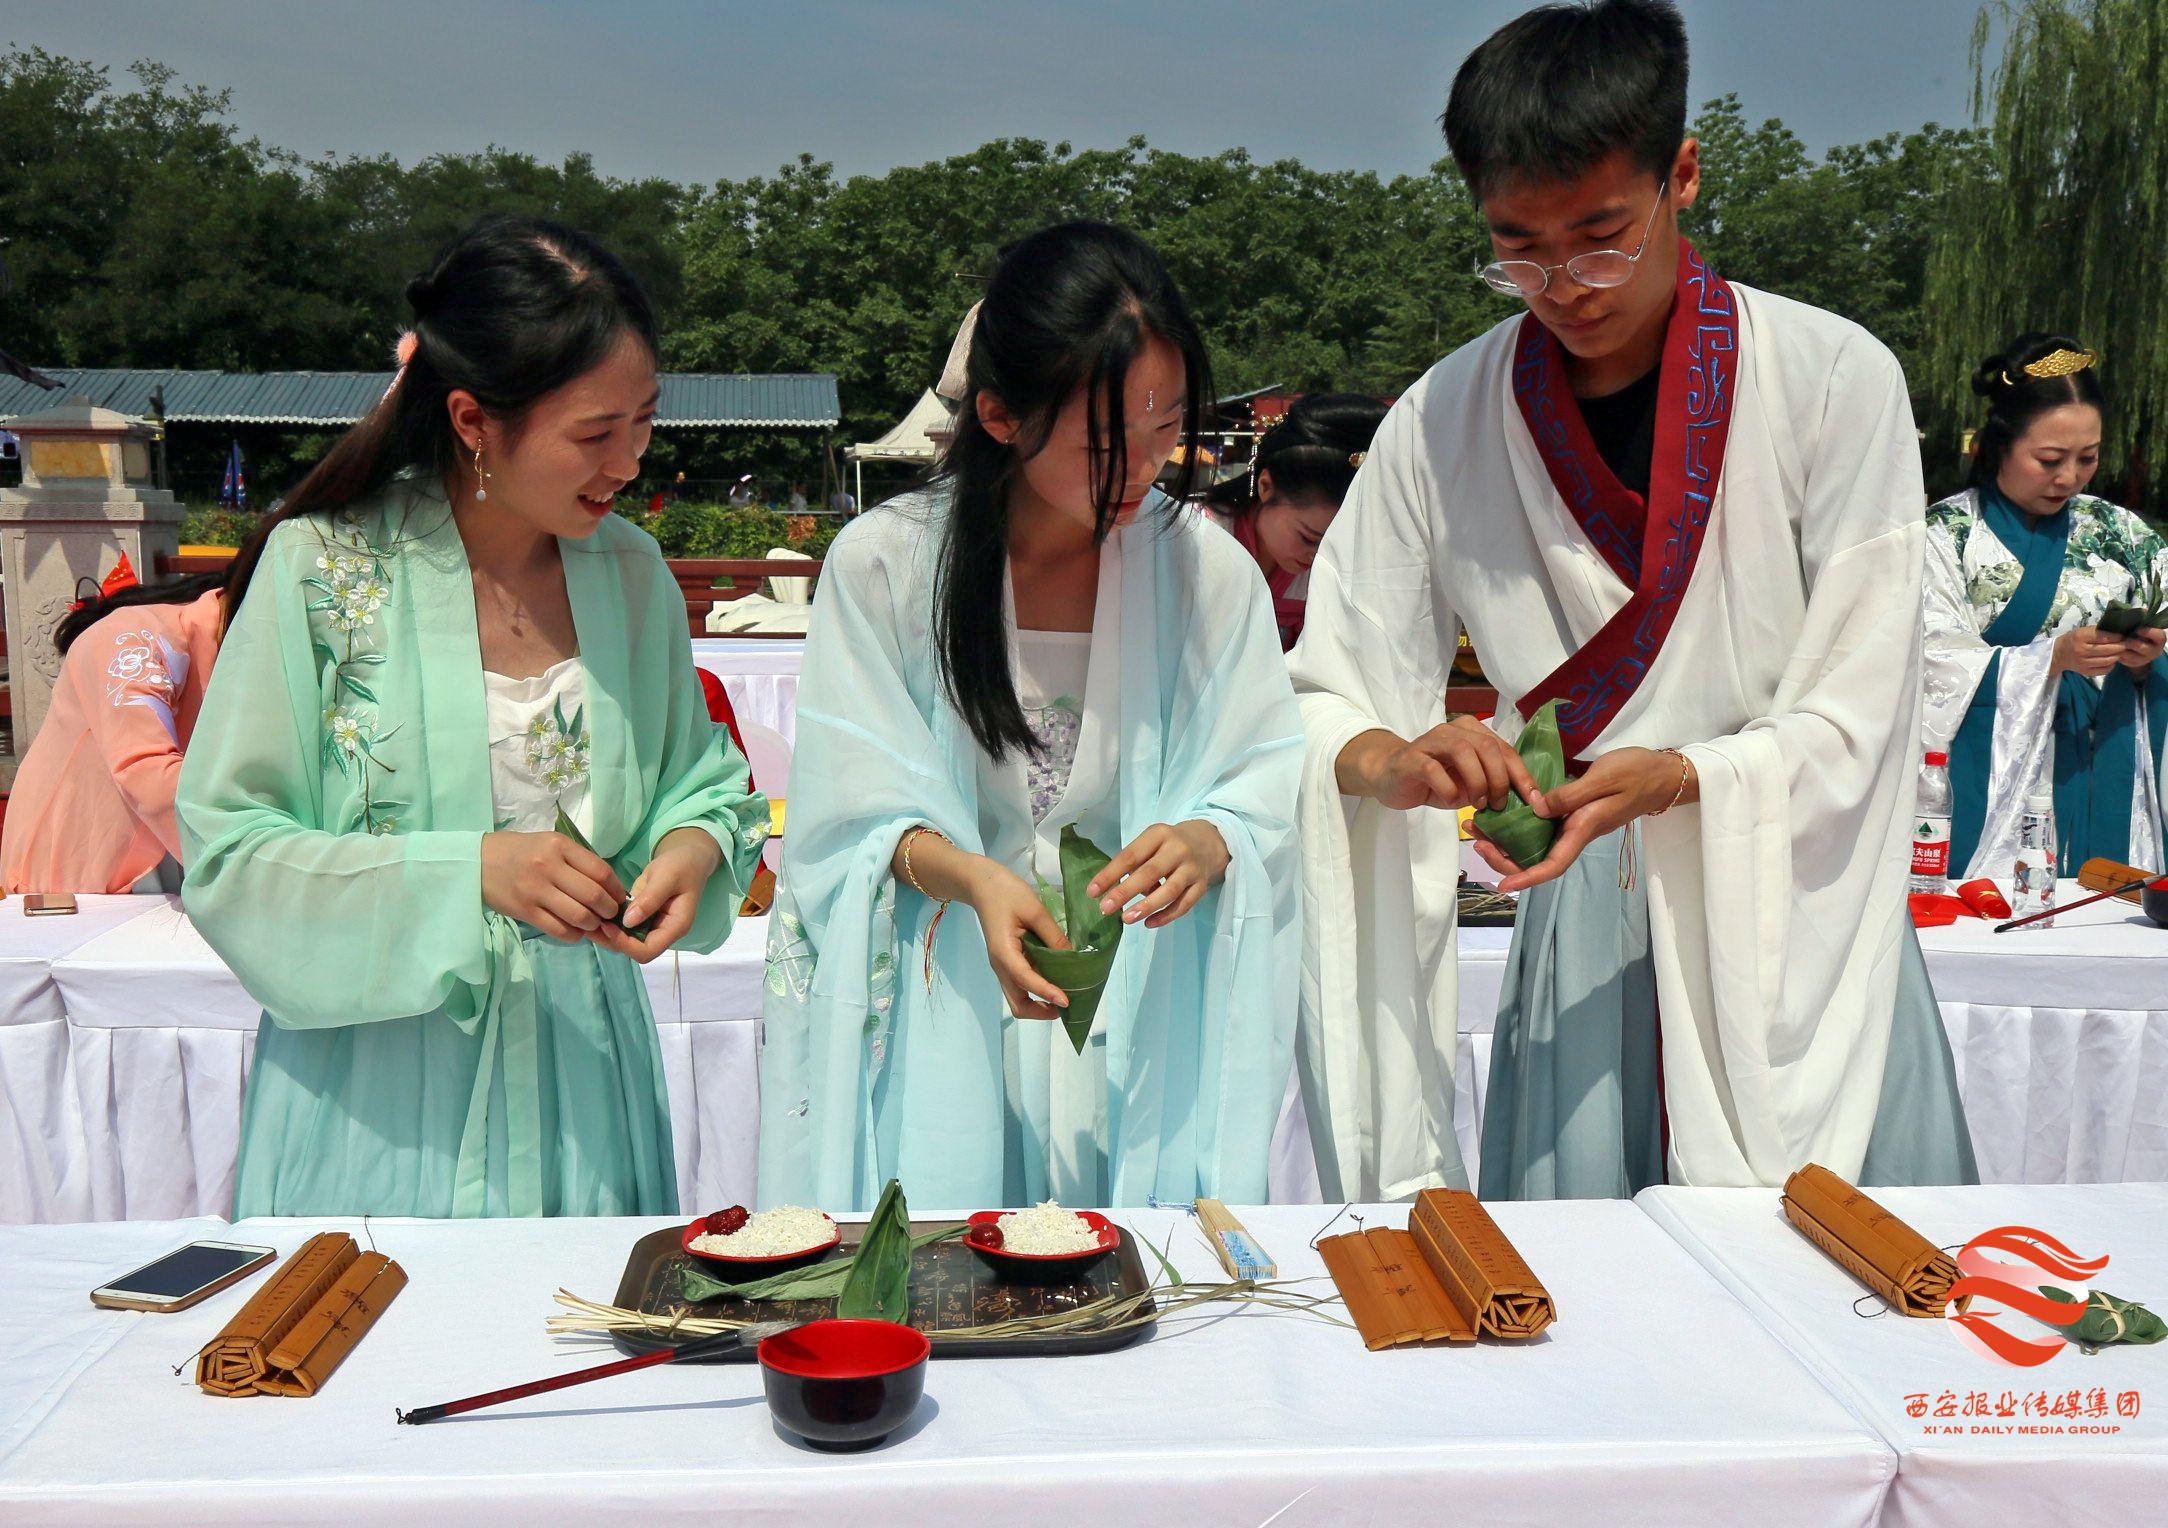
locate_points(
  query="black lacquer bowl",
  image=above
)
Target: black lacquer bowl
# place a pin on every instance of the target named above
(2154, 899)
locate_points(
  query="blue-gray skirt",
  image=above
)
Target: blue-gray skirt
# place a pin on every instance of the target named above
(1575, 1104)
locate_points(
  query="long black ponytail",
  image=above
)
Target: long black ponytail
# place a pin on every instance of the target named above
(1067, 312)
(510, 310)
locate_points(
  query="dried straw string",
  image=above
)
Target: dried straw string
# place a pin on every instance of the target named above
(1111, 1313)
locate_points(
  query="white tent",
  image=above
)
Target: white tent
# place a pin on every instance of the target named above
(917, 438)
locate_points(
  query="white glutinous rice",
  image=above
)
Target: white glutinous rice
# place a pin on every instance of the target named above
(770, 1233)
(1046, 1228)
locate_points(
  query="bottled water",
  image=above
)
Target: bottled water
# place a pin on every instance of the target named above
(1931, 828)
(2032, 881)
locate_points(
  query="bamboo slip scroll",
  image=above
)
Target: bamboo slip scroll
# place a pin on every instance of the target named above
(1450, 1277)
(1908, 1271)
(2113, 875)
(296, 1329)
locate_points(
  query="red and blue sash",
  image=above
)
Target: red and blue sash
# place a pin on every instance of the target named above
(1651, 545)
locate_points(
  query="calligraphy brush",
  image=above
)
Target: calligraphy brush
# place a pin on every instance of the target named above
(705, 1347)
(2071, 907)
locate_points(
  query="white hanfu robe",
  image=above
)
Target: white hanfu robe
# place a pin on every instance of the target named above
(1789, 676)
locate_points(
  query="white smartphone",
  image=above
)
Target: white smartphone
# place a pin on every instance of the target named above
(179, 1279)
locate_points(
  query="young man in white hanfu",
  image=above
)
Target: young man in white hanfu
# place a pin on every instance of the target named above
(1691, 513)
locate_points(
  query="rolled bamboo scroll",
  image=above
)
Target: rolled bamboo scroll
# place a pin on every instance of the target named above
(298, 1328)
(1451, 1277)
(1909, 1272)
(1482, 1273)
(2113, 875)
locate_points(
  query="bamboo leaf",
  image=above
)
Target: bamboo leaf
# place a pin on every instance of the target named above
(571, 830)
(879, 1285)
(1515, 827)
(1080, 971)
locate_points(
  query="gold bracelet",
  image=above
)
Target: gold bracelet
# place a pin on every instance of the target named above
(1684, 775)
(910, 841)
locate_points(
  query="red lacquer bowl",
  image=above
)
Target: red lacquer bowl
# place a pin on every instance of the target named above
(844, 1384)
(779, 1262)
(1041, 1266)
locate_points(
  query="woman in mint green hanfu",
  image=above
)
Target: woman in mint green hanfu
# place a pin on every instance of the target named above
(454, 751)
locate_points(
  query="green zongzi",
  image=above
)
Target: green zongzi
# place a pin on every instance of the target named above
(1081, 970)
(1517, 830)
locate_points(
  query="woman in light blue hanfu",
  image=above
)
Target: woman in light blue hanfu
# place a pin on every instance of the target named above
(1038, 640)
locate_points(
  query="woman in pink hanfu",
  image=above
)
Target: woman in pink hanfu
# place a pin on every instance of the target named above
(92, 807)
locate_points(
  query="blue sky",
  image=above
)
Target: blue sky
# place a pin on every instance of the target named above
(727, 89)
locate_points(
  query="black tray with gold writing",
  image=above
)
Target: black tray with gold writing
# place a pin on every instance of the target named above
(953, 1290)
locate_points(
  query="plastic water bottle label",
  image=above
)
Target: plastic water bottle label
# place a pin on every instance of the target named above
(1931, 846)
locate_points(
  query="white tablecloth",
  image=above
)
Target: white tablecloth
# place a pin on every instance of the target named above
(49, 1331)
(760, 675)
(2061, 1041)
(44, 1164)
(1655, 1399)
(1806, 1300)
(2060, 1038)
(161, 1035)
(131, 1107)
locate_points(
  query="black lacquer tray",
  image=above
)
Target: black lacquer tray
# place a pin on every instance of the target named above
(953, 1290)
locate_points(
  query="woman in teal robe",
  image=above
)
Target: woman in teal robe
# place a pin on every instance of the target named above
(2043, 632)
(423, 1051)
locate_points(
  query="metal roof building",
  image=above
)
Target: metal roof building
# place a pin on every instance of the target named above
(334, 399)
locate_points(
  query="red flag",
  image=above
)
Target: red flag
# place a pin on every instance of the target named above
(122, 577)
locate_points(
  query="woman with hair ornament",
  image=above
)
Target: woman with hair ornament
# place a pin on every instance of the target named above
(2044, 616)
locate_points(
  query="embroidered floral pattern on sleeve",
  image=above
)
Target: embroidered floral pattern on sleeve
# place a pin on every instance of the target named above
(2110, 554)
(146, 670)
(792, 961)
(756, 822)
(351, 584)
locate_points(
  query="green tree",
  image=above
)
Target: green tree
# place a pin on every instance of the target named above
(1848, 233)
(2060, 227)
(142, 229)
